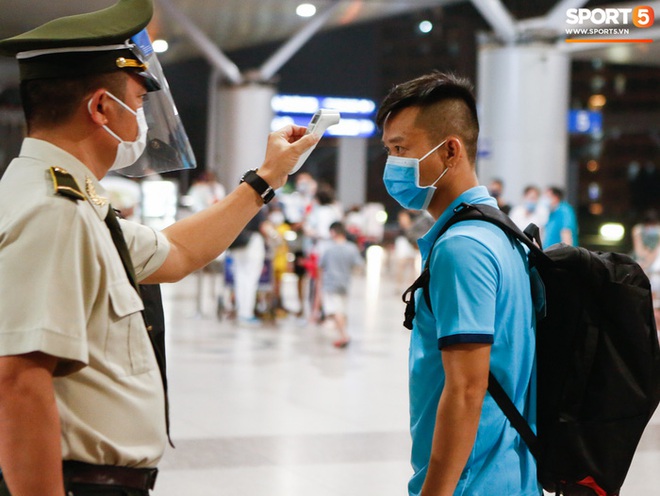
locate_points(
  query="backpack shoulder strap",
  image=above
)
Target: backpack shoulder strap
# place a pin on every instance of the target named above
(475, 211)
(511, 412)
(469, 211)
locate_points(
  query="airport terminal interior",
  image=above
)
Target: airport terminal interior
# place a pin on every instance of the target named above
(273, 404)
(278, 411)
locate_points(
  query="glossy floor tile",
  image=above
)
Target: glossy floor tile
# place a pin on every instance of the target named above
(278, 411)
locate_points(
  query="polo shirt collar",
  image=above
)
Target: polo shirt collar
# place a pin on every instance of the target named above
(478, 194)
(54, 156)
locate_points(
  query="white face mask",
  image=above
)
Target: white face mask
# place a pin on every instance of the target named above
(128, 151)
(277, 218)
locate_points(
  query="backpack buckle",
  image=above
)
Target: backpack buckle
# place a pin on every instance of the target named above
(408, 298)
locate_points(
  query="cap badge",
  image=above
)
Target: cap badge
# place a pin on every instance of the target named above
(123, 62)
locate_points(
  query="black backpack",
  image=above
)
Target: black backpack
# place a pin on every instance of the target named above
(598, 361)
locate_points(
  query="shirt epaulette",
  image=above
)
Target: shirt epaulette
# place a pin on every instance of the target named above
(65, 184)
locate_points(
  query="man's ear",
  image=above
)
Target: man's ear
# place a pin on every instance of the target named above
(96, 106)
(454, 149)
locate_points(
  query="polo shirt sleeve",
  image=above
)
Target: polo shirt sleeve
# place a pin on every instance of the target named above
(463, 287)
(48, 275)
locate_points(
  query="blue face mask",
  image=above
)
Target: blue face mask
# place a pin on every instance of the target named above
(401, 178)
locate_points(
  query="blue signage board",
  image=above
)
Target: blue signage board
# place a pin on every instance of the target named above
(585, 122)
(356, 113)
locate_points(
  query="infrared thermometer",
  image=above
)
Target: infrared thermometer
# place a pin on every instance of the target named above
(321, 120)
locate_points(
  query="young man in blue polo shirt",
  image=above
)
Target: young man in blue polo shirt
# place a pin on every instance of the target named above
(481, 317)
(562, 224)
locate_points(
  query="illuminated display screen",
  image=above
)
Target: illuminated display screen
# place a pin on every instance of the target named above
(356, 113)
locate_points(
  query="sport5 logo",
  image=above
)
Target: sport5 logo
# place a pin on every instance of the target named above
(641, 16)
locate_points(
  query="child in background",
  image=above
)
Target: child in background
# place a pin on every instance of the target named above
(338, 261)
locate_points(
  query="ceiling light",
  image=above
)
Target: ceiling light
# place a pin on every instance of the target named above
(306, 10)
(597, 101)
(160, 46)
(612, 231)
(425, 26)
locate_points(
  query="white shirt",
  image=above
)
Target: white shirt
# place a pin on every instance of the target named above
(64, 292)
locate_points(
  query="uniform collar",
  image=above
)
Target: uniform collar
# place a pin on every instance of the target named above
(54, 156)
(478, 194)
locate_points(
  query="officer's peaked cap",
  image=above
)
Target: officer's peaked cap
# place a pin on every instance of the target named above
(85, 44)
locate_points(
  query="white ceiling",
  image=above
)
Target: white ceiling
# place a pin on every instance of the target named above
(232, 24)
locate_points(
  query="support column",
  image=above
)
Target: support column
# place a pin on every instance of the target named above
(352, 171)
(243, 115)
(523, 96)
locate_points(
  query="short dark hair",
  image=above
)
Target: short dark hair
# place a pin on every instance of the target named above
(431, 92)
(325, 194)
(531, 187)
(51, 102)
(338, 228)
(558, 192)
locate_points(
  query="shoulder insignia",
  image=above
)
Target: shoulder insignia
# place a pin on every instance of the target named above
(94, 197)
(65, 184)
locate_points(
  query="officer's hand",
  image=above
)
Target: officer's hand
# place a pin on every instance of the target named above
(284, 148)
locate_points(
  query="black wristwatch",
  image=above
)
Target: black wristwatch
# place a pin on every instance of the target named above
(259, 185)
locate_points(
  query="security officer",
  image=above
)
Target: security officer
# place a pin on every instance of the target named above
(81, 395)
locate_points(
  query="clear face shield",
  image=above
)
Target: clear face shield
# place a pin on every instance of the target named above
(168, 148)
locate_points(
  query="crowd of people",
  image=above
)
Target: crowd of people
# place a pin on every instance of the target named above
(292, 233)
(304, 231)
(548, 210)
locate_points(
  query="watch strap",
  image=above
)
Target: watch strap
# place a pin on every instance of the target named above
(263, 189)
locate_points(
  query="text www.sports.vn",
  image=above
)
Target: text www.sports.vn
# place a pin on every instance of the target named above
(597, 31)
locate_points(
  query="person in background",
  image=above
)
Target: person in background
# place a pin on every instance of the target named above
(531, 210)
(646, 251)
(496, 190)
(646, 239)
(562, 223)
(405, 252)
(481, 316)
(354, 221)
(205, 191)
(275, 229)
(297, 206)
(325, 211)
(248, 253)
(338, 261)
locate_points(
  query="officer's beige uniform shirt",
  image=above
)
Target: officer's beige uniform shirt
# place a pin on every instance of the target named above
(64, 292)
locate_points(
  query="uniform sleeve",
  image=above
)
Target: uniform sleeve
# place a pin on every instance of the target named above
(148, 247)
(48, 276)
(463, 289)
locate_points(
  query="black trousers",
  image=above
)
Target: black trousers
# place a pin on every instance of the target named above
(90, 490)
